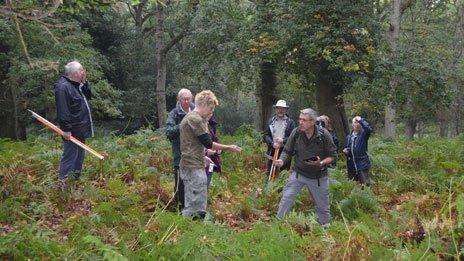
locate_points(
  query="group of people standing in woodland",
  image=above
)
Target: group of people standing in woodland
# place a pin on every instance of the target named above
(191, 128)
(314, 145)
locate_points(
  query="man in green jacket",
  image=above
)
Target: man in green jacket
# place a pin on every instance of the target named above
(314, 150)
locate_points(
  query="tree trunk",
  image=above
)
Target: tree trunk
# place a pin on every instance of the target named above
(443, 121)
(161, 64)
(410, 128)
(329, 103)
(457, 106)
(11, 128)
(265, 94)
(393, 38)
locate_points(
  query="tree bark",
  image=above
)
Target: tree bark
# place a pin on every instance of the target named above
(393, 38)
(457, 115)
(329, 103)
(161, 64)
(162, 49)
(11, 128)
(265, 94)
(410, 128)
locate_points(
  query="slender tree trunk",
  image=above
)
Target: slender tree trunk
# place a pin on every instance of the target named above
(393, 38)
(11, 128)
(138, 19)
(443, 121)
(329, 103)
(457, 115)
(410, 128)
(161, 64)
(265, 94)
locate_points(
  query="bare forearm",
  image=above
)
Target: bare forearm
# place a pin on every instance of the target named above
(219, 146)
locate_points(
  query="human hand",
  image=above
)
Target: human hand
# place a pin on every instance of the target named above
(345, 150)
(276, 145)
(207, 160)
(210, 152)
(67, 135)
(279, 163)
(235, 148)
(357, 118)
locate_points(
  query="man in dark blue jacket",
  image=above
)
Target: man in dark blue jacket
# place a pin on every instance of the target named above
(358, 162)
(72, 93)
(183, 106)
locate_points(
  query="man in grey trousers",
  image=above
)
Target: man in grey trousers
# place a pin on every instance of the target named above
(314, 150)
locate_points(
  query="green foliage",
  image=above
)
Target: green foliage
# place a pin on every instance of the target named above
(30, 81)
(107, 252)
(359, 201)
(119, 209)
(30, 241)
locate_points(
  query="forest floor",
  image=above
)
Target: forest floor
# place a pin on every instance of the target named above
(121, 208)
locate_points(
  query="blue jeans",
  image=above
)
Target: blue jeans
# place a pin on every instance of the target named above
(72, 160)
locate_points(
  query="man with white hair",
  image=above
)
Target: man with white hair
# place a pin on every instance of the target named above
(72, 93)
(183, 106)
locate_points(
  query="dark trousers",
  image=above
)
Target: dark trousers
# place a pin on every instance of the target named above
(71, 161)
(179, 194)
(361, 176)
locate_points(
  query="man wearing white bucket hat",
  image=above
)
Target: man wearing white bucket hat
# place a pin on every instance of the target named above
(277, 131)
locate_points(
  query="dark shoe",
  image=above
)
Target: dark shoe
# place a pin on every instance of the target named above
(200, 215)
(75, 175)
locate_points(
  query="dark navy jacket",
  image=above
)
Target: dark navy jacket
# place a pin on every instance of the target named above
(172, 130)
(72, 112)
(357, 158)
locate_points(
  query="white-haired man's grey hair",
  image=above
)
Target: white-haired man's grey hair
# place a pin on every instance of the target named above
(312, 114)
(72, 67)
(184, 92)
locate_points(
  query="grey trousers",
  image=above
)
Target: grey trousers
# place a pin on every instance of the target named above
(72, 160)
(319, 191)
(196, 191)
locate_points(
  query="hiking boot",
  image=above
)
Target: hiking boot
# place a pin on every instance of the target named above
(325, 226)
(75, 175)
(209, 218)
(199, 215)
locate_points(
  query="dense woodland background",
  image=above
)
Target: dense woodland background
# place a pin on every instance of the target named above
(398, 63)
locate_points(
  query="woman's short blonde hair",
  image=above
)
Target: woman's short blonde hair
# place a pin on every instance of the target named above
(206, 98)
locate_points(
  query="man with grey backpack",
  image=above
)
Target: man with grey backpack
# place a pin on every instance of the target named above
(313, 149)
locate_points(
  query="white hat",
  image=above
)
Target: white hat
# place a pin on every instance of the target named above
(280, 103)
